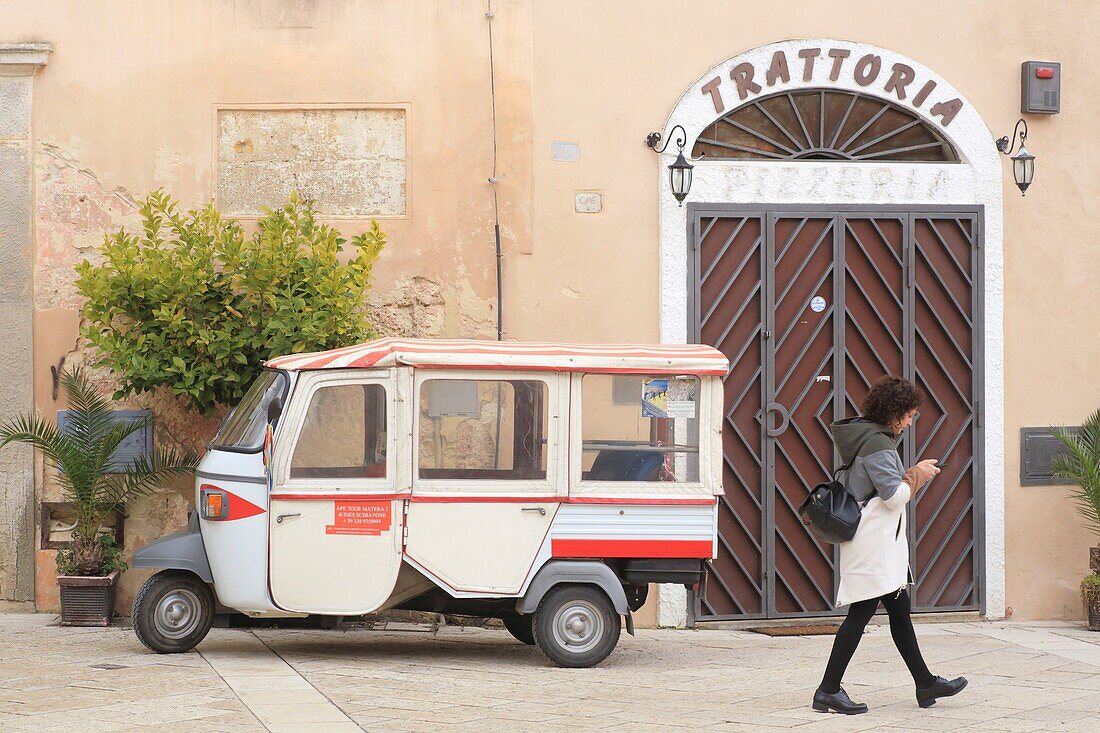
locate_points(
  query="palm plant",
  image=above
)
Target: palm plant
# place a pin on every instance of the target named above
(81, 456)
(1081, 465)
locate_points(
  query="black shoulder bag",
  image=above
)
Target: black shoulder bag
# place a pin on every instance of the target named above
(830, 511)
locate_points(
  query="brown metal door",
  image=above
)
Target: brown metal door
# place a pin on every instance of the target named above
(730, 310)
(944, 534)
(800, 354)
(811, 308)
(874, 301)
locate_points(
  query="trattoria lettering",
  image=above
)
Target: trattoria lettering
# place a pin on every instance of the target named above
(897, 80)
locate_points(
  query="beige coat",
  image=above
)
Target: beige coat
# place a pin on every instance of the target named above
(876, 561)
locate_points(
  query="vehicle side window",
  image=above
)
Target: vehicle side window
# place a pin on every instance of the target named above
(639, 428)
(344, 434)
(482, 429)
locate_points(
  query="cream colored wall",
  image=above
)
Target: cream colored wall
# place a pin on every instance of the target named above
(132, 103)
(129, 106)
(126, 105)
(608, 73)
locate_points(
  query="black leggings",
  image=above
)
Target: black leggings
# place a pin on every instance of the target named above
(901, 628)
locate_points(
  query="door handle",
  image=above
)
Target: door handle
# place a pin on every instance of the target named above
(538, 509)
(784, 419)
(279, 519)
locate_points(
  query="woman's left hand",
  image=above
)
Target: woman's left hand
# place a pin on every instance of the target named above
(921, 473)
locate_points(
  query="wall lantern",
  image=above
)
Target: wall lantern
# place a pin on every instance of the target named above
(679, 172)
(1023, 162)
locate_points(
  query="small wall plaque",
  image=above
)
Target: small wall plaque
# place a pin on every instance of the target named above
(588, 202)
(452, 397)
(625, 390)
(566, 152)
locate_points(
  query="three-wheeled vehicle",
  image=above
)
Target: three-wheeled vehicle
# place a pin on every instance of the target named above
(543, 484)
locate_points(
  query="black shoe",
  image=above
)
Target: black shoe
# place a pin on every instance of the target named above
(927, 696)
(840, 702)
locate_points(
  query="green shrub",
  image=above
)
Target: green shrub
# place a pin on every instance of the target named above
(68, 558)
(194, 305)
(1090, 586)
(1080, 465)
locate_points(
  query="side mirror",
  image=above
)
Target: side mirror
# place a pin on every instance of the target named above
(274, 410)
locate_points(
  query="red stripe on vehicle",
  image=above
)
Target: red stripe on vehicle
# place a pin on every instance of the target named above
(427, 499)
(580, 368)
(340, 497)
(451, 499)
(374, 352)
(631, 548)
(644, 502)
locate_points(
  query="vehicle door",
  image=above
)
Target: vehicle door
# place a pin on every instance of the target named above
(488, 476)
(336, 517)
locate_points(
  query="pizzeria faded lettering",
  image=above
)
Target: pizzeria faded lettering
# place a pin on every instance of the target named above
(901, 79)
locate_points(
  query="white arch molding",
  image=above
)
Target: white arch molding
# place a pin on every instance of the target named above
(976, 180)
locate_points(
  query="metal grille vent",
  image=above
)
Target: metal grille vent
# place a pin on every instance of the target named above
(1039, 448)
(820, 124)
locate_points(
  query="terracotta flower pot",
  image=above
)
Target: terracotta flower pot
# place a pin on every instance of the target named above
(87, 600)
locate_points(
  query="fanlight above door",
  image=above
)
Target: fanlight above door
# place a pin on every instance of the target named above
(820, 124)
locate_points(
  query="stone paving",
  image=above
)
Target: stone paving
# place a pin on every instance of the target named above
(402, 677)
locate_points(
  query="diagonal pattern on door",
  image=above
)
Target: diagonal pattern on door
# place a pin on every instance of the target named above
(945, 548)
(730, 263)
(801, 451)
(811, 308)
(873, 298)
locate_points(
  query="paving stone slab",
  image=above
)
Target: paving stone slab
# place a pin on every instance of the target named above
(1023, 677)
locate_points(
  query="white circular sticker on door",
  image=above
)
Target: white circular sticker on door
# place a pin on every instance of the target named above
(817, 304)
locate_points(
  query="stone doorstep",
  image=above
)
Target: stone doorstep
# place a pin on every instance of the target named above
(879, 619)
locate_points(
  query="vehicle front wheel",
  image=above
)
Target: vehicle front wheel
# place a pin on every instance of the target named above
(173, 612)
(576, 626)
(520, 628)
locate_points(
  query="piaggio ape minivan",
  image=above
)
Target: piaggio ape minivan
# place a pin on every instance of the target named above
(543, 484)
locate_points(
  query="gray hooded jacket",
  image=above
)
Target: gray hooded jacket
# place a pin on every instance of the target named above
(877, 470)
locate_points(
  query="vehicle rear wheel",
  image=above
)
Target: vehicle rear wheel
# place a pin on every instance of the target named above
(520, 628)
(173, 612)
(576, 626)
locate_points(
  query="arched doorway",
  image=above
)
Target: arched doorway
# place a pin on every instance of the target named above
(844, 222)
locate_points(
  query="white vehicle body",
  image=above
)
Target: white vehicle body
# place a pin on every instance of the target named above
(418, 527)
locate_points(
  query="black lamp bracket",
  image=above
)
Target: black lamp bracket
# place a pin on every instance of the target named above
(653, 139)
(1006, 144)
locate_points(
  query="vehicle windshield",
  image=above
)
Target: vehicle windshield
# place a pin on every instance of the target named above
(243, 429)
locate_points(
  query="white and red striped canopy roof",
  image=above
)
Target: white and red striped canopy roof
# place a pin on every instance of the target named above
(467, 353)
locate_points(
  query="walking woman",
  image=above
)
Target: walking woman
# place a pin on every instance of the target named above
(874, 565)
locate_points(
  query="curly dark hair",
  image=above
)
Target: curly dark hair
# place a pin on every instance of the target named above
(890, 398)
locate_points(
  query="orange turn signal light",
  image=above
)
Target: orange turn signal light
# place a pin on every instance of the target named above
(213, 505)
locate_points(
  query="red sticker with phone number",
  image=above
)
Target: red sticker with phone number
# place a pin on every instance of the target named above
(361, 517)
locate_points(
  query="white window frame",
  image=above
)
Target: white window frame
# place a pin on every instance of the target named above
(557, 408)
(294, 421)
(704, 487)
